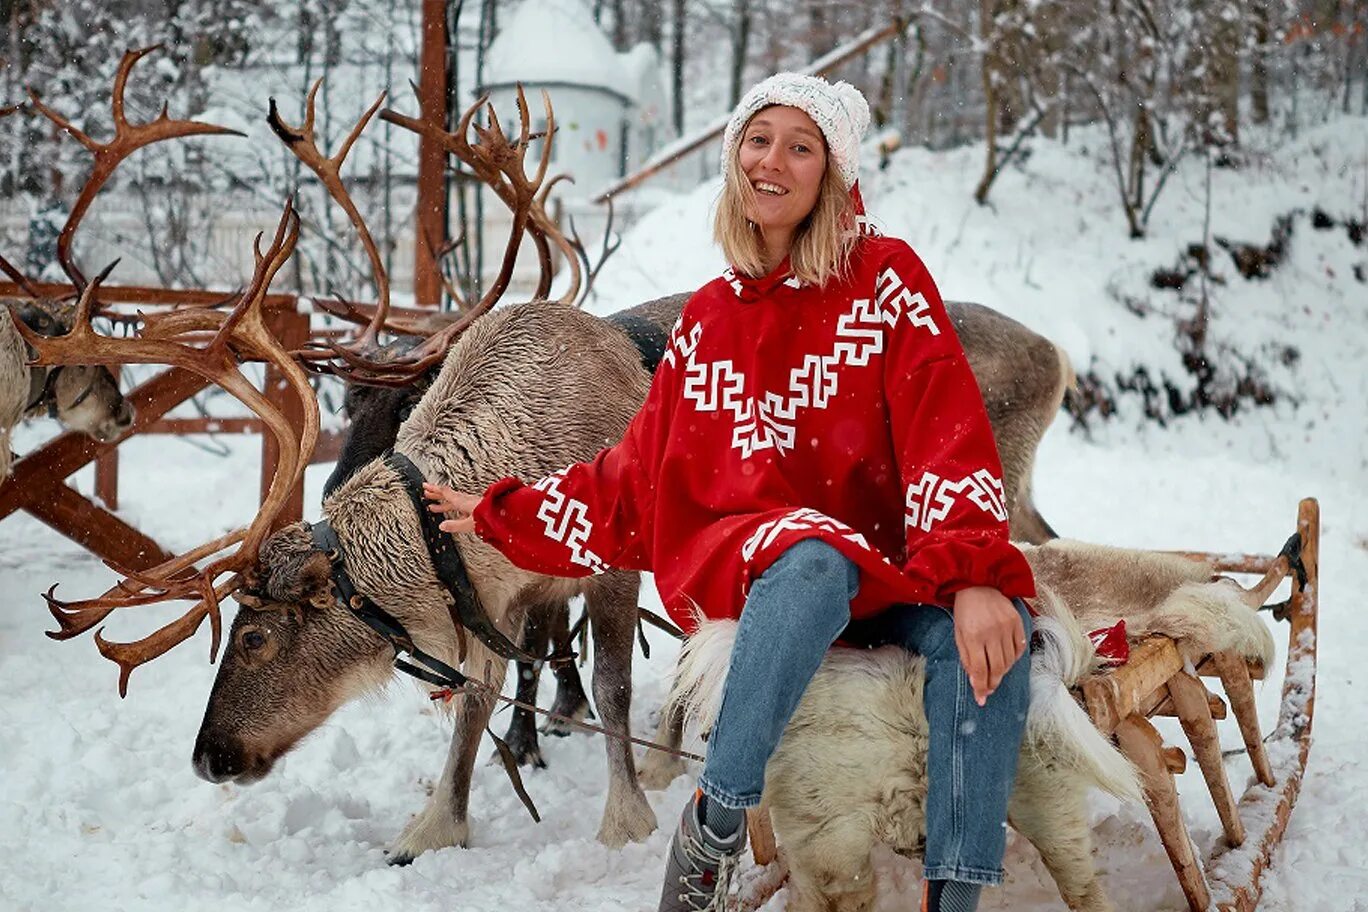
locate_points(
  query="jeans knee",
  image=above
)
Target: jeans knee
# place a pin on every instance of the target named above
(938, 636)
(814, 563)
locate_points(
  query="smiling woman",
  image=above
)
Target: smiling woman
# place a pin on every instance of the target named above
(813, 451)
(781, 200)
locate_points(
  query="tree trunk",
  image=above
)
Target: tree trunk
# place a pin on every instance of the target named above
(677, 65)
(1051, 35)
(653, 23)
(989, 69)
(619, 26)
(1225, 47)
(1258, 71)
(14, 75)
(741, 29)
(819, 34)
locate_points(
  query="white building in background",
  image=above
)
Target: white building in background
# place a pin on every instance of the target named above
(611, 110)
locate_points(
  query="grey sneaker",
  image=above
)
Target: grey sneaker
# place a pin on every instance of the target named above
(699, 867)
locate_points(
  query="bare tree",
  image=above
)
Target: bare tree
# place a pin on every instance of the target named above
(678, 27)
(741, 35)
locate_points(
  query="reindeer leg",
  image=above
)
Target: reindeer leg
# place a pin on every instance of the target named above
(612, 604)
(659, 769)
(444, 823)
(571, 700)
(1049, 808)
(522, 728)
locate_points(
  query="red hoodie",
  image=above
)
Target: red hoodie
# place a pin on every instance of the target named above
(782, 412)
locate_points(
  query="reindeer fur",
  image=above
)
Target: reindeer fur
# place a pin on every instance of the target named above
(851, 768)
(14, 387)
(481, 420)
(103, 413)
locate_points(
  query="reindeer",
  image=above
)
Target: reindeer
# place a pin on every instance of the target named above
(295, 653)
(863, 710)
(83, 397)
(1021, 375)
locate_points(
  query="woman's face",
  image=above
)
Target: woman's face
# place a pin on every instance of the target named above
(784, 157)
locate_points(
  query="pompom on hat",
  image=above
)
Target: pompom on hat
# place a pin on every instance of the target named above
(838, 109)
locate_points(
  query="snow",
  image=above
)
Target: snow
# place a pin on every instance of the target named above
(99, 807)
(555, 42)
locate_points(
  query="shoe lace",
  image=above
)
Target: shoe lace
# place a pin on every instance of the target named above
(705, 889)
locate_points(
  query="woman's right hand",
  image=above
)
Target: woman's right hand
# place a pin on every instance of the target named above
(460, 505)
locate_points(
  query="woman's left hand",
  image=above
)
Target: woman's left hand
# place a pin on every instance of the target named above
(446, 500)
(989, 635)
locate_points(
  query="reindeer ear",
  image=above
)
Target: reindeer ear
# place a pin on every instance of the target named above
(247, 599)
(316, 579)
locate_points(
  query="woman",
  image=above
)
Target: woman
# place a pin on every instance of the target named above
(814, 459)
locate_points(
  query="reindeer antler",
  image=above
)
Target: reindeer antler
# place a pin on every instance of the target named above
(499, 162)
(539, 224)
(18, 278)
(239, 335)
(610, 246)
(127, 139)
(301, 141)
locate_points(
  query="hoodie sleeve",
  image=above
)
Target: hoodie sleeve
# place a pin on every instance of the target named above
(590, 515)
(955, 515)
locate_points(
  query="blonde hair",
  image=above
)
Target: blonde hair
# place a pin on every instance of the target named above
(822, 242)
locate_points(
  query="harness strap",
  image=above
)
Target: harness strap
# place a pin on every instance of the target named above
(463, 602)
(416, 663)
(40, 382)
(423, 665)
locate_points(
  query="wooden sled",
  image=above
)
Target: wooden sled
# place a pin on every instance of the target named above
(1154, 682)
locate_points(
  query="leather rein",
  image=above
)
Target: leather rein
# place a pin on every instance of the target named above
(467, 614)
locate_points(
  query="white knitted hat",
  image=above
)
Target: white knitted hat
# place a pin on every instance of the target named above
(839, 110)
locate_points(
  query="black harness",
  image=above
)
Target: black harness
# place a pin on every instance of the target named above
(466, 612)
(424, 666)
(462, 601)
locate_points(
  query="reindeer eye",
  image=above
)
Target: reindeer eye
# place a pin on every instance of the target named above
(253, 639)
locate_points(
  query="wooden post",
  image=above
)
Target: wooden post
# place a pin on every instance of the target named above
(292, 329)
(107, 479)
(99, 532)
(429, 226)
(761, 833)
(31, 476)
(1123, 691)
(1294, 718)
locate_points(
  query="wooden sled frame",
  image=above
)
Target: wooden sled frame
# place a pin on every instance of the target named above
(1155, 682)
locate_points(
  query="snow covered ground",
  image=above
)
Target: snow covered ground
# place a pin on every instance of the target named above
(99, 808)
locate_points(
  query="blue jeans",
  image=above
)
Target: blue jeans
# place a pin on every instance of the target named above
(794, 612)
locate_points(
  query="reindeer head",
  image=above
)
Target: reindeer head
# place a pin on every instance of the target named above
(83, 397)
(86, 398)
(294, 656)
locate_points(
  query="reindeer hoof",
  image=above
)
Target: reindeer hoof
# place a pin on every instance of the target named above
(432, 829)
(559, 728)
(626, 819)
(658, 770)
(524, 755)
